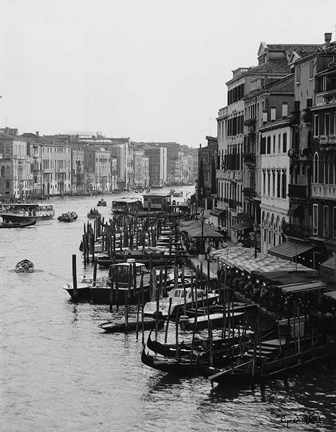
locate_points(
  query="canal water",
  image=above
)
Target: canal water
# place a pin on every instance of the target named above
(59, 372)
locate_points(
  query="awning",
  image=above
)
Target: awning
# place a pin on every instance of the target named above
(330, 263)
(242, 226)
(289, 249)
(297, 288)
(330, 294)
(217, 211)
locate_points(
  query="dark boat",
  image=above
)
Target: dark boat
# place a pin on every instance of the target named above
(24, 266)
(18, 224)
(120, 325)
(83, 288)
(68, 217)
(93, 213)
(129, 281)
(269, 361)
(101, 203)
(178, 366)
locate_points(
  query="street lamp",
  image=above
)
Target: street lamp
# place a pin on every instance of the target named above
(255, 229)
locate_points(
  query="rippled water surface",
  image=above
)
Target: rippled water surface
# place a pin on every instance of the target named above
(59, 372)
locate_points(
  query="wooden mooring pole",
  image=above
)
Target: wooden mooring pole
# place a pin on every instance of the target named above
(74, 279)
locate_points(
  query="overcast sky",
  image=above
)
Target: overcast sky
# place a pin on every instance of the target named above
(150, 70)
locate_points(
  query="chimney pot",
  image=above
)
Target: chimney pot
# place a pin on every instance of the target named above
(327, 39)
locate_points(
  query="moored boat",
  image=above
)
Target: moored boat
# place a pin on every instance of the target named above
(180, 298)
(123, 326)
(129, 281)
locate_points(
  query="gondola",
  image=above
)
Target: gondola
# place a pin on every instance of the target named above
(120, 325)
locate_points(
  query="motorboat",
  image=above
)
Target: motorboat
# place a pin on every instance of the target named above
(68, 217)
(24, 266)
(101, 203)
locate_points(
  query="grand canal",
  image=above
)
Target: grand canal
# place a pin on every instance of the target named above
(59, 372)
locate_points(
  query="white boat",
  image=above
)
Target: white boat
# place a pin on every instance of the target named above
(179, 297)
(38, 210)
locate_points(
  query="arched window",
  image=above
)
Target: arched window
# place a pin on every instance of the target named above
(2, 173)
(316, 168)
(326, 170)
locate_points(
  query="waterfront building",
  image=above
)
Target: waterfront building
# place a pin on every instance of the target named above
(15, 166)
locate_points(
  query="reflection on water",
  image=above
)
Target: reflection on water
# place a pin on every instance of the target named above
(60, 372)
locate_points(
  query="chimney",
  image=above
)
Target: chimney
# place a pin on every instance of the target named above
(37, 133)
(327, 39)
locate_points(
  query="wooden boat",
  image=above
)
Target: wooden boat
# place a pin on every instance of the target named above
(24, 266)
(120, 325)
(93, 213)
(157, 257)
(216, 319)
(177, 366)
(83, 287)
(128, 281)
(68, 217)
(180, 298)
(101, 202)
(269, 362)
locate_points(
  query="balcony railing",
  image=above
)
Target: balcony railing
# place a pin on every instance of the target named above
(325, 98)
(323, 191)
(296, 231)
(298, 191)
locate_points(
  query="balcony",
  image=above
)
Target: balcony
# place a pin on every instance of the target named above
(298, 191)
(323, 191)
(250, 122)
(326, 98)
(249, 159)
(296, 231)
(249, 192)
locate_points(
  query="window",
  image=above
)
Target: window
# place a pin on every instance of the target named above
(273, 180)
(274, 136)
(284, 184)
(311, 69)
(327, 124)
(268, 183)
(334, 222)
(278, 183)
(284, 109)
(325, 221)
(315, 219)
(273, 113)
(298, 73)
(264, 182)
(268, 145)
(316, 169)
(284, 142)
(316, 125)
